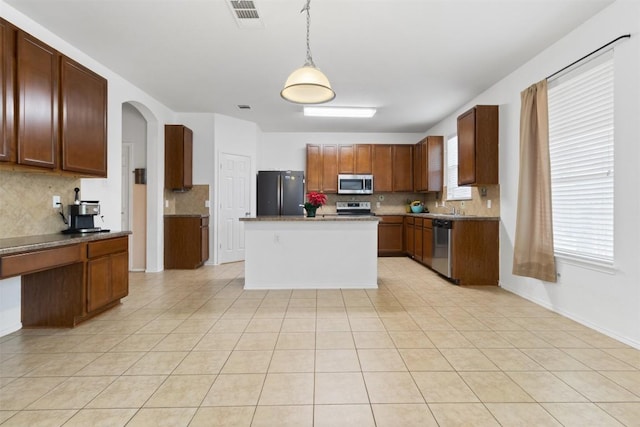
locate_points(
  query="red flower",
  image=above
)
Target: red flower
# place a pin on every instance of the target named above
(316, 199)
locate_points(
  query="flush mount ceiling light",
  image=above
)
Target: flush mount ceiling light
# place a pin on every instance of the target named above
(357, 112)
(307, 85)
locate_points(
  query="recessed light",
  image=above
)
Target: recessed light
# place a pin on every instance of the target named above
(354, 112)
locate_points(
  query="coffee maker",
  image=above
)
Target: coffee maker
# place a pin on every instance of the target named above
(81, 216)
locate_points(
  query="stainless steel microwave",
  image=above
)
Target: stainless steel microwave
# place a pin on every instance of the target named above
(355, 184)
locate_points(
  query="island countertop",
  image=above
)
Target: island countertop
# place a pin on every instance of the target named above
(333, 217)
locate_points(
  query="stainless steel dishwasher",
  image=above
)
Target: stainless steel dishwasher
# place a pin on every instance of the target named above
(441, 261)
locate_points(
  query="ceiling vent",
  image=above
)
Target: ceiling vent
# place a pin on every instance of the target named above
(245, 13)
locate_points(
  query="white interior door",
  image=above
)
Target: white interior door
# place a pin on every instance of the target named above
(235, 202)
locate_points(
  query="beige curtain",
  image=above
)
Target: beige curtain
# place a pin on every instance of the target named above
(533, 247)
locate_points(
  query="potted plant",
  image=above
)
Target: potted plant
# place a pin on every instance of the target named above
(314, 201)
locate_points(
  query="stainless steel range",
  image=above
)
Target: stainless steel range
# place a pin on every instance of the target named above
(353, 208)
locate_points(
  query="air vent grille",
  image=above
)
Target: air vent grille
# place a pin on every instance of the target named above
(245, 13)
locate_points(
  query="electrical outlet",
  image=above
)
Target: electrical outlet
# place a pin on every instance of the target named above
(488, 204)
(166, 203)
(462, 204)
(207, 204)
(56, 201)
(377, 204)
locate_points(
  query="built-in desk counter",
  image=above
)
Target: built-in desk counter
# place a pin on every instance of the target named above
(66, 279)
(330, 252)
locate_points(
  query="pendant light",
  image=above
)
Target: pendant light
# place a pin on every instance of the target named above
(307, 84)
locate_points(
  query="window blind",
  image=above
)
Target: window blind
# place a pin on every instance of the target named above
(453, 191)
(581, 144)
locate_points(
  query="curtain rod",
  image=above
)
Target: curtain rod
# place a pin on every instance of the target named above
(626, 36)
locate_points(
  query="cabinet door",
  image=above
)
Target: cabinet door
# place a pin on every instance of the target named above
(435, 163)
(204, 241)
(98, 283)
(418, 241)
(37, 109)
(330, 168)
(178, 157)
(119, 275)
(7, 50)
(382, 167)
(427, 243)
(364, 157)
(467, 148)
(182, 242)
(390, 238)
(409, 238)
(403, 168)
(418, 168)
(314, 168)
(84, 119)
(346, 159)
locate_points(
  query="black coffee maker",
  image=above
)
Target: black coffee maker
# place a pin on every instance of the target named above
(81, 216)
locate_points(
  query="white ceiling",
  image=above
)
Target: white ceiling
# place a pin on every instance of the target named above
(417, 61)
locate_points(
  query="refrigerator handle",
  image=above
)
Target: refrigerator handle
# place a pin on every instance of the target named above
(280, 183)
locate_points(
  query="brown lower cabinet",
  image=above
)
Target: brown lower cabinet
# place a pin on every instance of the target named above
(390, 238)
(107, 272)
(474, 248)
(186, 241)
(66, 285)
(474, 252)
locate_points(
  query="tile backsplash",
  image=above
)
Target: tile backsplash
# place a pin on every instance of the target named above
(26, 203)
(190, 202)
(396, 203)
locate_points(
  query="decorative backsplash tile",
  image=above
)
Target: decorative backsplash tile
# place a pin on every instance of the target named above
(190, 202)
(396, 203)
(26, 203)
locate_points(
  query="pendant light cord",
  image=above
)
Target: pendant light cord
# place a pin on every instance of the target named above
(309, 61)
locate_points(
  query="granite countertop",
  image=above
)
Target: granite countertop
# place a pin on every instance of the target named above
(325, 217)
(15, 245)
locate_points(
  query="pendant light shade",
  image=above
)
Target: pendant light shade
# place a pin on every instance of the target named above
(307, 84)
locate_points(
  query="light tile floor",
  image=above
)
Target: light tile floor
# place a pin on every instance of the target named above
(193, 348)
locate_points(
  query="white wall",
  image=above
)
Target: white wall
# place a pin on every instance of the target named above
(107, 190)
(134, 131)
(606, 301)
(287, 150)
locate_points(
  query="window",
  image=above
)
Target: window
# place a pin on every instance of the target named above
(581, 155)
(453, 191)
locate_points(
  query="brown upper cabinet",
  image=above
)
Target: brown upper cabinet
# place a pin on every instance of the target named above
(178, 157)
(322, 168)
(54, 110)
(37, 69)
(346, 159)
(313, 176)
(478, 146)
(354, 159)
(330, 168)
(434, 163)
(427, 167)
(84, 119)
(7, 138)
(364, 157)
(382, 167)
(402, 168)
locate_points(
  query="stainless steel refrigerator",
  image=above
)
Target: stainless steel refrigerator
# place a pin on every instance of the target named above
(280, 193)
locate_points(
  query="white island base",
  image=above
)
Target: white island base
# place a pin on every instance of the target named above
(311, 253)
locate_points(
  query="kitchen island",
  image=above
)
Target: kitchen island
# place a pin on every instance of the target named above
(325, 252)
